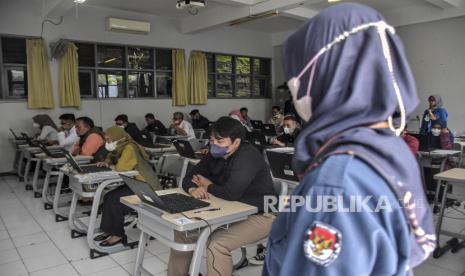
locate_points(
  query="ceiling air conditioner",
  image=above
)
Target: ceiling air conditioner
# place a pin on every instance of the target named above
(128, 26)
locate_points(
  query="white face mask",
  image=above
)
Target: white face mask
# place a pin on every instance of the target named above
(288, 130)
(110, 146)
(436, 131)
(303, 105)
(36, 125)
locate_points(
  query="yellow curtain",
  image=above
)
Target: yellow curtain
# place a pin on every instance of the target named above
(39, 83)
(179, 97)
(70, 95)
(198, 78)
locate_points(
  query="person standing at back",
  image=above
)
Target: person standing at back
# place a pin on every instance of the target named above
(433, 113)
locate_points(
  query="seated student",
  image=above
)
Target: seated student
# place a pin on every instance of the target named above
(91, 141)
(291, 131)
(126, 155)
(48, 129)
(277, 118)
(154, 125)
(67, 136)
(131, 128)
(199, 121)
(412, 142)
(245, 114)
(236, 171)
(440, 136)
(181, 127)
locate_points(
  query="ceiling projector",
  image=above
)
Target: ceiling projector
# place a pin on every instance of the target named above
(189, 4)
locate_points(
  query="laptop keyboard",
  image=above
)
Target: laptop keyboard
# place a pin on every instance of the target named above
(181, 203)
(94, 169)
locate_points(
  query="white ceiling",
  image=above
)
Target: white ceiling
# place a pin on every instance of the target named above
(272, 25)
(292, 12)
(156, 7)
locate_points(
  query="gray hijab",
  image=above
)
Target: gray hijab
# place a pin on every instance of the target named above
(438, 100)
(44, 120)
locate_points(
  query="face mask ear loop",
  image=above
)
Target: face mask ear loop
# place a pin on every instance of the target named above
(311, 62)
(387, 54)
(310, 82)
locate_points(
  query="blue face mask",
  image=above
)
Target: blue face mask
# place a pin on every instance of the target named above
(217, 151)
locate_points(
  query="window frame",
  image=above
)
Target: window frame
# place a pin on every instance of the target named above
(126, 70)
(234, 76)
(4, 85)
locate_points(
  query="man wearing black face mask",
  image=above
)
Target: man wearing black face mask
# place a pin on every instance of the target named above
(234, 171)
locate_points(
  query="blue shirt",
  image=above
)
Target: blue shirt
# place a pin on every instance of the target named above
(370, 244)
(439, 112)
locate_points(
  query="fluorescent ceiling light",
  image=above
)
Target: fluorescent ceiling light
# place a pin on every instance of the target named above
(332, 1)
(79, 1)
(254, 17)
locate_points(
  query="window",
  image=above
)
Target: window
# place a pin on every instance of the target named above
(231, 76)
(13, 68)
(110, 56)
(119, 71)
(111, 84)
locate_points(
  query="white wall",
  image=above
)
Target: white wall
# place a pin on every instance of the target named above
(23, 17)
(436, 54)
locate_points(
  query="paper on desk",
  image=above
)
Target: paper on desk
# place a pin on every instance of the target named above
(182, 221)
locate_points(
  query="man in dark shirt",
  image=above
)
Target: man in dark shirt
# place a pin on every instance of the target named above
(234, 171)
(131, 128)
(199, 121)
(291, 131)
(154, 125)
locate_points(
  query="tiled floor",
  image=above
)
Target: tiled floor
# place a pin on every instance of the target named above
(32, 243)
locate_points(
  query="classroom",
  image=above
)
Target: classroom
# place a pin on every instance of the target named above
(232, 137)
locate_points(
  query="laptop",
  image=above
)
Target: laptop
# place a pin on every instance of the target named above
(58, 153)
(83, 169)
(159, 146)
(256, 124)
(171, 203)
(16, 136)
(29, 140)
(269, 130)
(198, 144)
(257, 138)
(281, 164)
(184, 148)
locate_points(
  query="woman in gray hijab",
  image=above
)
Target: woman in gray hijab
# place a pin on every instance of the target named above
(434, 113)
(48, 129)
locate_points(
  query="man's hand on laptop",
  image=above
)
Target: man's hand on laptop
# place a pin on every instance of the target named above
(198, 193)
(102, 164)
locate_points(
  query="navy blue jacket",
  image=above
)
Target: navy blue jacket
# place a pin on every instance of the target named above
(370, 243)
